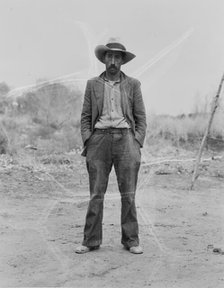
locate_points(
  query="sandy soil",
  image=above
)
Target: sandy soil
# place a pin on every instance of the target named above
(42, 211)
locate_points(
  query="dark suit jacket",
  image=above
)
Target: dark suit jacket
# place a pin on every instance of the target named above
(131, 103)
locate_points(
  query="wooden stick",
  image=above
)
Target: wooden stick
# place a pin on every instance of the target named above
(198, 159)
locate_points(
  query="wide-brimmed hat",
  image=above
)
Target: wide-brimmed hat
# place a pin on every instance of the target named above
(100, 51)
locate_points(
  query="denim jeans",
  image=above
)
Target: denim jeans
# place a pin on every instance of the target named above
(106, 148)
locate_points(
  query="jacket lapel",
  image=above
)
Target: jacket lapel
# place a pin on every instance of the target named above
(99, 93)
(124, 87)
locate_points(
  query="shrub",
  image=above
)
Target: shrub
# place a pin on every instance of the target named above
(3, 140)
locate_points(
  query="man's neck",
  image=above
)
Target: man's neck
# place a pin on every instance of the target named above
(113, 77)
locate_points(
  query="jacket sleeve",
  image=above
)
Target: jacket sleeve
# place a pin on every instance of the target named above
(139, 113)
(86, 115)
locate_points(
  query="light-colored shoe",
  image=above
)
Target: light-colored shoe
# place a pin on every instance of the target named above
(136, 250)
(83, 249)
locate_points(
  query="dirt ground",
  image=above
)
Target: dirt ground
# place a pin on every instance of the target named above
(42, 211)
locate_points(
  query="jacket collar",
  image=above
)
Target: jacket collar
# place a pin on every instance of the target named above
(102, 76)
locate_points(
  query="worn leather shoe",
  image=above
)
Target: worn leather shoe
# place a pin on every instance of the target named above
(84, 249)
(136, 250)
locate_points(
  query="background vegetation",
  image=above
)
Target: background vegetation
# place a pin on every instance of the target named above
(47, 118)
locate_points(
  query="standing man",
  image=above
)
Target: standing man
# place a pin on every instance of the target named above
(113, 127)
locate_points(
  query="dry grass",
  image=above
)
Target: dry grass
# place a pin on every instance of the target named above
(46, 118)
(179, 132)
(187, 130)
(49, 119)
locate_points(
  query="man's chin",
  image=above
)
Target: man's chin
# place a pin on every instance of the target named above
(113, 71)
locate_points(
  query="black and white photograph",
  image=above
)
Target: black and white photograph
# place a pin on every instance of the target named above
(112, 143)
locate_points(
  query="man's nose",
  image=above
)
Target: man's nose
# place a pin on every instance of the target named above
(113, 60)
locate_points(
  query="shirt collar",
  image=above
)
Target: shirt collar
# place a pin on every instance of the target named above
(106, 80)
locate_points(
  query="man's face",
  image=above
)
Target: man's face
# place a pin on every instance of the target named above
(113, 61)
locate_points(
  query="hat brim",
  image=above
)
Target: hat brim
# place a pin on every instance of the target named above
(101, 50)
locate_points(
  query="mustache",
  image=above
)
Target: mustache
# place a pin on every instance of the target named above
(112, 66)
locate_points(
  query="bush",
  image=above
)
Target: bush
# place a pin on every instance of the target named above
(3, 140)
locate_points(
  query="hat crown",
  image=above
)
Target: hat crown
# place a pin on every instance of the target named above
(113, 44)
(116, 45)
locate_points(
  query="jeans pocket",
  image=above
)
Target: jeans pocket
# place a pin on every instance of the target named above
(94, 139)
(135, 141)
